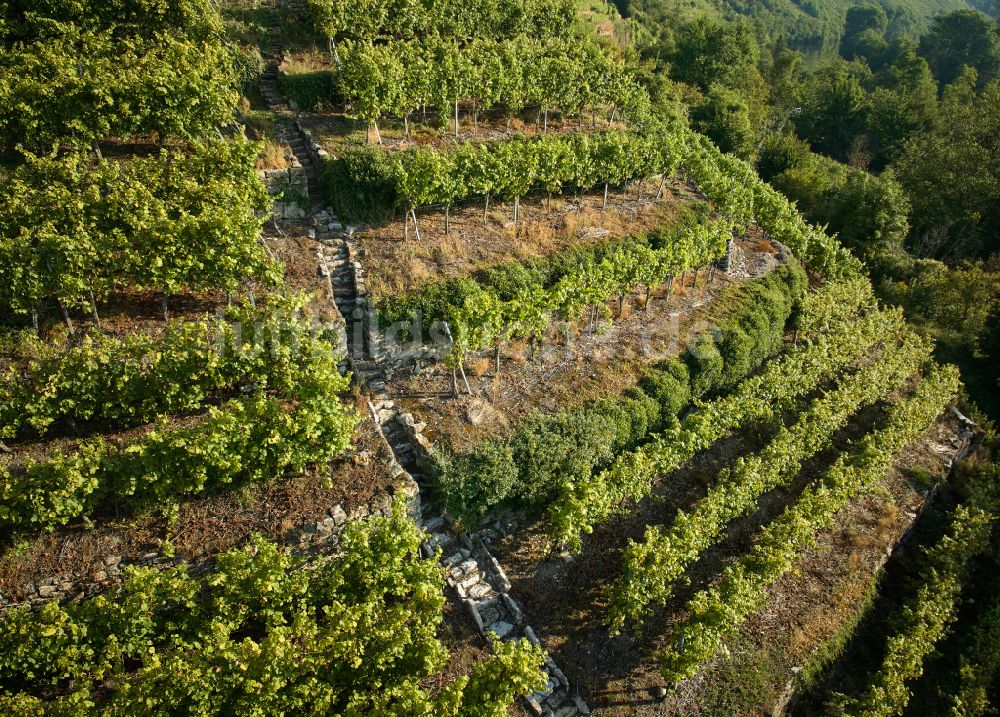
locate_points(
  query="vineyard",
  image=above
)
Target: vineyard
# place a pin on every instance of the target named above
(421, 358)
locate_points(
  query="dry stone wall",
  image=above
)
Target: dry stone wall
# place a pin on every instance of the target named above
(471, 570)
(313, 538)
(296, 6)
(289, 190)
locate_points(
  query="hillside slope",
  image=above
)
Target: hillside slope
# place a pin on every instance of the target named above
(812, 26)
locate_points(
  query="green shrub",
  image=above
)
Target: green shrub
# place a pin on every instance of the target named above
(469, 483)
(338, 178)
(705, 364)
(249, 67)
(548, 448)
(757, 327)
(669, 383)
(736, 349)
(633, 415)
(311, 91)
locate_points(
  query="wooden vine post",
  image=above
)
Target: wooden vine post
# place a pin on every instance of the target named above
(457, 364)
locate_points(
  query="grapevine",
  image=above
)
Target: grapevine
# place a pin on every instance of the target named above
(593, 499)
(131, 380)
(359, 19)
(715, 613)
(650, 567)
(254, 438)
(927, 616)
(265, 633)
(71, 229)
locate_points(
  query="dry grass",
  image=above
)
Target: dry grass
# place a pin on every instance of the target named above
(273, 156)
(480, 367)
(472, 243)
(308, 61)
(765, 245)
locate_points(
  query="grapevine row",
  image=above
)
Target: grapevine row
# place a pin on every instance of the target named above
(835, 301)
(70, 229)
(253, 438)
(265, 633)
(510, 169)
(453, 19)
(480, 318)
(402, 77)
(78, 71)
(513, 168)
(979, 664)
(595, 498)
(651, 567)
(717, 612)
(131, 380)
(927, 615)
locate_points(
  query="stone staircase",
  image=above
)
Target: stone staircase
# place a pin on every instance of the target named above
(471, 570)
(269, 87)
(480, 583)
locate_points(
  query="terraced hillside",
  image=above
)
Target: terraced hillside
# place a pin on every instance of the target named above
(426, 365)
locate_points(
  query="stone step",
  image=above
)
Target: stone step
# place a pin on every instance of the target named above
(455, 558)
(479, 591)
(433, 524)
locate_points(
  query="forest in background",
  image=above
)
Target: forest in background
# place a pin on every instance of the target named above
(815, 28)
(891, 143)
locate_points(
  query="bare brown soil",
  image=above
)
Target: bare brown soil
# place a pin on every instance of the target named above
(572, 366)
(563, 597)
(401, 264)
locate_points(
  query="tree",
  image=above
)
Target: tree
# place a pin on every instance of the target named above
(951, 175)
(963, 38)
(710, 51)
(864, 33)
(834, 108)
(905, 102)
(725, 117)
(862, 208)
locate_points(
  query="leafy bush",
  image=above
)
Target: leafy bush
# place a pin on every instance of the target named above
(736, 348)
(359, 184)
(311, 91)
(466, 482)
(550, 451)
(705, 364)
(249, 67)
(669, 384)
(548, 448)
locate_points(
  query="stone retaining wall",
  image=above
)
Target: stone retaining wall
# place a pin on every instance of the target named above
(312, 538)
(297, 6)
(285, 186)
(316, 153)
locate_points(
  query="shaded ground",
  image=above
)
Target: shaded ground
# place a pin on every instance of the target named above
(563, 598)
(334, 131)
